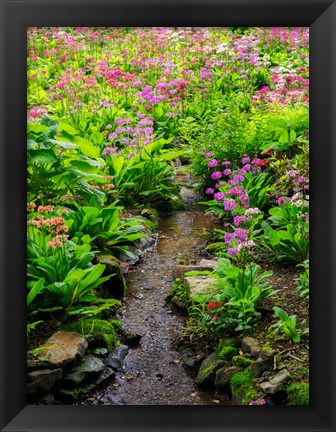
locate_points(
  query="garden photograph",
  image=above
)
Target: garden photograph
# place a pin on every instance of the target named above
(168, 216)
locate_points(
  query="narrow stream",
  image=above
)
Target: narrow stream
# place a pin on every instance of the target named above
(153, 372)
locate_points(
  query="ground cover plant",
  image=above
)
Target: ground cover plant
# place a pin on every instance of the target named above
(111, 113)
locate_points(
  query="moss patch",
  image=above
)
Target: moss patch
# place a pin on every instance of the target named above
(298, 394)
(241, 361)
(241, 379)
(242, 387)
(227, 352)
(88, 327)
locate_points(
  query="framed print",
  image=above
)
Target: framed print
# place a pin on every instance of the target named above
(168, 200)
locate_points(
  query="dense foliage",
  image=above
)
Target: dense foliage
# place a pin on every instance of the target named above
(109, 112)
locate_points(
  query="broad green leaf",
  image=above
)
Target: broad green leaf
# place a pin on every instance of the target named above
(36, 288)
(42, 156)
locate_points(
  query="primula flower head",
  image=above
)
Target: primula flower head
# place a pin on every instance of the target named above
(216, 175)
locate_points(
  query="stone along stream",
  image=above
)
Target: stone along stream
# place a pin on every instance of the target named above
(153, 372)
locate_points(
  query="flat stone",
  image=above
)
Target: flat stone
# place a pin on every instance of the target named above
(181, 269)
(41, 381)
(211, 264)
(63, 348)
(277, 383)
(251, 346)
(205, 285)
(36, 364)
(224, 375)
(207, 371)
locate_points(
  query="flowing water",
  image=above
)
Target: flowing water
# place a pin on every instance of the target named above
(153, 372)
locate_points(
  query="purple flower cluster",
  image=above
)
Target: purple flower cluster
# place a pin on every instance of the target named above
(237, 241)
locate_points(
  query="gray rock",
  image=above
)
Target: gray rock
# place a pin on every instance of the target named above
(211, 264)
(190, 358)
(63, 348)
(181, 269)
(205, 285)
(277, 383)
(90, 365)
(180, 302)
(105, 374)
(267, 354)
(261, 365)
(145, 242)
(207, 371)
(35, 364)
(189, 196)
(224, 375)
(251, 346)
(132, 339)
(116, 358)
(41, 381)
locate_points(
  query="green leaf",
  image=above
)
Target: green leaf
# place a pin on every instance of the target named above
(36, 288)
(284, 138)
(42, 156)
(36, 128)
(281, 314)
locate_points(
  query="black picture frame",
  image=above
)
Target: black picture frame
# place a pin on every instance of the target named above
(16, 16)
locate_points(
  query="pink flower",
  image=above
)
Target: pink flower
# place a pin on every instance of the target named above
(213, 163)
(216, 175)
(208, 155)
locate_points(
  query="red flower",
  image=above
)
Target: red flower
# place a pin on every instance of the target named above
(214, 305)
(214, 317)
(263, 162)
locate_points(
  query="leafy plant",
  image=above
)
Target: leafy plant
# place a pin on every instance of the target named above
(145, 177)
(240, 290)
(291, 244)
(302, 282)
(105, 228)
(288, 325)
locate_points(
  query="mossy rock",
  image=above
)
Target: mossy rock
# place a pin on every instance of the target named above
(89, 327)
(241, 361)
(298, 393)
(224, 375)
(241, 379)
(207, 371)
(243, 389)
(227, 352)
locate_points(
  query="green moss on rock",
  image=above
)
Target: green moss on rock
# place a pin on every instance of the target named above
(241, 361)
(227, 352)
(241, 379)
(88, 327)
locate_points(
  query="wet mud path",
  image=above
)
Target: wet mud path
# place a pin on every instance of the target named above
(153, 373)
